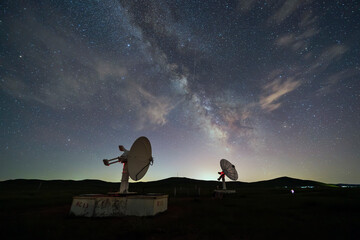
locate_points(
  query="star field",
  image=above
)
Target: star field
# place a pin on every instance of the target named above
(272, 86)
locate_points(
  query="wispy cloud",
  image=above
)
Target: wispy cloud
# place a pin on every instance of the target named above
(301, 39)
(296, 41)
(288, 8)
(327, 57)
(332, 81)
(276, 89)
(245, 5)
(308, 20)
(315, 63)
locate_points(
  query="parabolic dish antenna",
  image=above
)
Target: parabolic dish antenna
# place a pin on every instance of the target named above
(139, 158)
(228, 170)
(136, 162)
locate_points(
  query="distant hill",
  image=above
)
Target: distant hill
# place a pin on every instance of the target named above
(60, 190)
(33, 184)
(288, 182)
(276, 182)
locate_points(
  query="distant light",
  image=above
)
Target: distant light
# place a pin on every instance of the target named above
(292, 191)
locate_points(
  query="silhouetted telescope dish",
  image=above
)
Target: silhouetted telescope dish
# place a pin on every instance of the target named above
(139, 158)
(228, 170)
(136, 162)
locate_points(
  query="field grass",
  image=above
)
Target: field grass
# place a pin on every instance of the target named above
(39, 209)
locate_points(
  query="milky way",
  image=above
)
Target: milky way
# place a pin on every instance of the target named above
(272, 86)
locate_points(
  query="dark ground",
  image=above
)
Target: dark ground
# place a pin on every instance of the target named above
(39, 209)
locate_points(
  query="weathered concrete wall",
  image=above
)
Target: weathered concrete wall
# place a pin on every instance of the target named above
(83, 207)
(110, 206)
(116, 206)
(160, 204)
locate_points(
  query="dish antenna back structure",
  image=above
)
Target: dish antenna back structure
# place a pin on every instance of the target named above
(228, 170)
(135, 162)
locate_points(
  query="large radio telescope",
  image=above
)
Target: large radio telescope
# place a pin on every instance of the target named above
(135, 162)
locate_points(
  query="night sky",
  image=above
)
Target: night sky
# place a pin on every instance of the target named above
(272, 86)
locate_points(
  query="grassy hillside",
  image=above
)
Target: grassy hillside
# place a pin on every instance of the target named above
(260, 210)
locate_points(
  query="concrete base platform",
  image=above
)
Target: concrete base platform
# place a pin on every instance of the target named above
(224, 191)
(118, 205)
(219, 193)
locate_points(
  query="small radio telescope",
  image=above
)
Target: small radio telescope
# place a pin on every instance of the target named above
(135, 162)
(228, 170)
